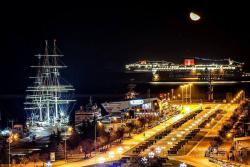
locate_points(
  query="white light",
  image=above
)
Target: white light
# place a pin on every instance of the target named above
(193, 16)
(187, 109)
(111, 154)
(101, 160)
(151, 154)
(48, 164)
(136, 102)
(170, 143)
(183, 165)
(158, 150)
(179, 135)
(119, 150)
(144, 160)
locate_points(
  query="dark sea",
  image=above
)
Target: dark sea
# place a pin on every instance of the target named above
(113, 88)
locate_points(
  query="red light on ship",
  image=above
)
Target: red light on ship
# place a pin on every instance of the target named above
(189, 62)
(143, 62)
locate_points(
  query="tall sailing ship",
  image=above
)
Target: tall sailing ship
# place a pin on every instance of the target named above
(49, 99)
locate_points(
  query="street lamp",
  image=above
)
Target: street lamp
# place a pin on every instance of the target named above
(183, 165)
(111, 154)
(11, 138)
(190, 85)
(119, 150)
(172, 91)
(158, 150)
(101, 160)
(98, 124)
(151, 154)
(68, 131)
(182, 98)
(186, 86)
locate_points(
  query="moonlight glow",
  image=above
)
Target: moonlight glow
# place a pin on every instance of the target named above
(194, 16)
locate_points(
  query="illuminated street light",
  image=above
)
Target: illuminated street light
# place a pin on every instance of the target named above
(70, 129)
(67, 132)
(144, 160)
(187, 109)
(101, 160)
(11, 139)
(48, 164)
(170, 143)
(99, 124)
(111, 154)
(158, 150)
(119, 150)
(151, 154)
(186, 86)
(182, 98)
(179, 135)
(183, 165)
(190, 85)
(229, 135)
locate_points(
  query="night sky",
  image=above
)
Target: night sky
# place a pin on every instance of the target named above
(97, 39)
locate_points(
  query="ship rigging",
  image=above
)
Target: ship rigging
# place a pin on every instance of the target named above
(50, 97)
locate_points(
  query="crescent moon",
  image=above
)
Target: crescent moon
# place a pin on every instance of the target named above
(193, 16)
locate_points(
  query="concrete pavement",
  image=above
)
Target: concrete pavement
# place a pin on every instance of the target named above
(196, 156)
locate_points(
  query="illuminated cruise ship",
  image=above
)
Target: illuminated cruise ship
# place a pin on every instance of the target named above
(195, 69)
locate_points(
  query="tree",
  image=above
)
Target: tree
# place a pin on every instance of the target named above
(131, 127)
(87, 147)
(3, 151)
(120, 133)
(74, 140)
(143, 121)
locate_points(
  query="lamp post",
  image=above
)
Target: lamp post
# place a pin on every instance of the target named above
(172, 93)
(97, 123)
(69, 131)
(186, 86)
(11, 138)
(95, 139)
(182, 98)
(119, 150)
(190, 86)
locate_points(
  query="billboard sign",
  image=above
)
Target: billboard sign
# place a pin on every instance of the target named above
(136, 102)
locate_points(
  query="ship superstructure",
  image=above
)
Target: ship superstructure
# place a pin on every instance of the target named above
(50, 97)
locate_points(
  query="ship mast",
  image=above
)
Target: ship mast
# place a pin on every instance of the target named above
(49, 95)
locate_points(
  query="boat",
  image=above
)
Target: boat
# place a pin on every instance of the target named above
(193, 69)
(49, 99)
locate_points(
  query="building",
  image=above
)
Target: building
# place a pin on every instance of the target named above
(121, 106)
(87, 113)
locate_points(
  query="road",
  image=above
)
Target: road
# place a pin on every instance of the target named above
(196, 155)
(180, 133)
